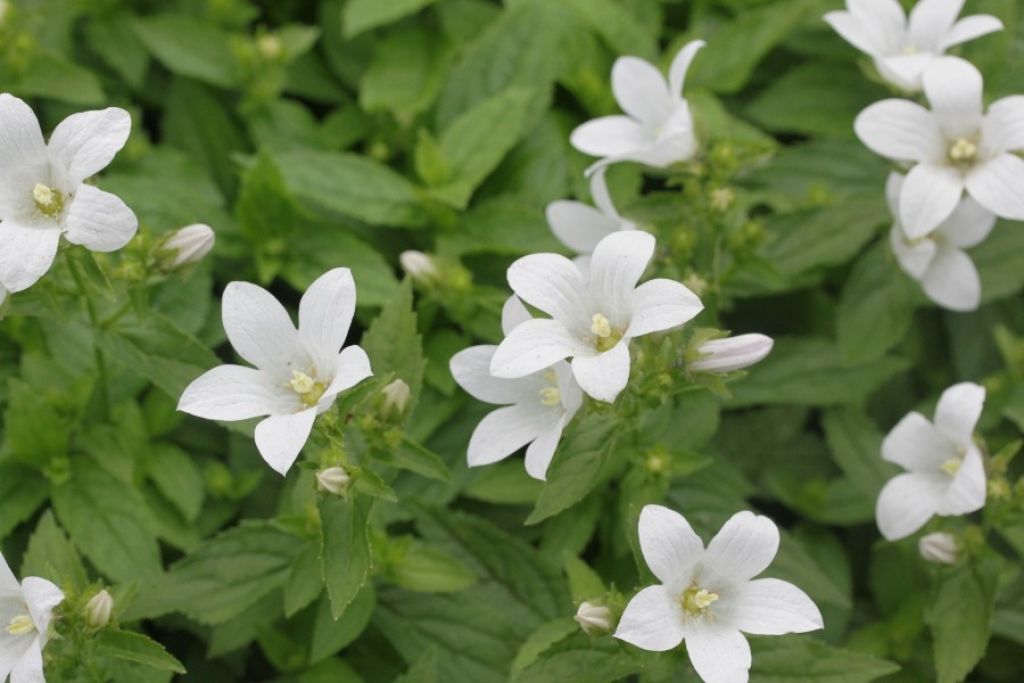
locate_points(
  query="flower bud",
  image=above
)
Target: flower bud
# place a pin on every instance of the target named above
(188, 245)
(269, 47)
(939, 547)
(333, 480)
(419, 266)
(99, 609)
(396, 398)
(732, 353)
(594, 619)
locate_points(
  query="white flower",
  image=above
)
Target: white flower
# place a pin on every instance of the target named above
(99, 609)
(952, 147)
(580, 226)
(946, 475)
(536, 409)
(658, 127)
(188, 245)
(333, 480)
(939, 547)
(593, 316)
(298, 373)
(709, 597)
(594, 619)
(42, 193)
(902, 50)
(25, 612)
(732, 353)
(938, 260)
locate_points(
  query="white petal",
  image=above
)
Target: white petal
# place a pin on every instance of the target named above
(1003, 126)
(954, 89)
(572, 395)
(743, 548)
(958, 411)
(504, 431)
(513, 312)
(351, 367)
(604, 375)
(970, 28)
(41, 597)
(915, 444)
(914, 257)
(967, 492)
(325, 315)
(30, 668)
(771, 607)
(680, 65)
(259, 328)
(669, 544)
(540, 452)
(998, 185)
(893, 187)
(719, 654)
(471, 369)
(84, 144)
(551, 283)
(26, 253)
(578, 226)
(885, 18)
(531, 347)
(855, 32)
(99, 221)
(640, 89)
(905, 71)
(931, 20)
(652, 620)
(234, 392)
(280, 438)
(8, 582)
(930, 195)
(13, 649)
(616, 265)
(968, 225)
(952, 281)
(908, 501)
(661, 305)
(23, 152)
(609, 136)
(901, 130)
(733, 353)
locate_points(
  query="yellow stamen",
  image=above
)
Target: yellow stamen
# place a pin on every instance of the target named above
(21, 625)
(600, 326)
(910, 49)
(951, 466)
(697, 600)
(963, 150)
(48, 201)
(308, 389)
(550, 396)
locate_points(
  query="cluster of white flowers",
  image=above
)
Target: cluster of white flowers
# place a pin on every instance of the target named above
(26, 610)
(951, 148)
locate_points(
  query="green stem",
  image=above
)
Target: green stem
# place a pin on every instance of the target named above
(101, 366)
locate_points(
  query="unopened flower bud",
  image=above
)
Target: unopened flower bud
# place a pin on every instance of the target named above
(269, 46)
(98, 610)
(939, 547)
(419, 266)
(333, 480)
(396, 398)
(732, 353)
(594, 619)
(188, 245)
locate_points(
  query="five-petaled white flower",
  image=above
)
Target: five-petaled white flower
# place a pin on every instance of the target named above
(25, 614)
(946, 475)
(952, 147)
(903, 50)
(42, 193)
(938, 261)
(580, 226)
(709, 597)
(658, 127)
(298, 373)
(593, 316)
(536, 407)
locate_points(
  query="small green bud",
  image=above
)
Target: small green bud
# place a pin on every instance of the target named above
(98, 610)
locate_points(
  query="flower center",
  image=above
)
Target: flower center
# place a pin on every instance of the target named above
(696, 600)
(910, 49)
(308, 389)
(48, 201)
(550, 396)
(605, 336)
(21, 625)
(963, 151)
(951, 466)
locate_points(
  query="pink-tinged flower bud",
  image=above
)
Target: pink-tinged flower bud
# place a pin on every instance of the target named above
(333, 480)
(188, 245)
(594, 619)
(98, 610)
(419, 266)
(732, 353)
(939, 547)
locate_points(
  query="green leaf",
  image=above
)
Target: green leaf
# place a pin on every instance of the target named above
(363, 15)
(108, 521)
(54, 77)
(330, 634)
(345, 551)
(34, 430)
(189, 47)
(804, 658)
(876, 306)
(351, 185)
(22, 491)
(112, 37)
(52, 556)
(178, 478)
(406, 74)
(305, 581)
(393, 342)
(580, 658)
(135, 647)
(856, 446)
(424, 569)
(1000, 262)
(960, 617)
(618, 26)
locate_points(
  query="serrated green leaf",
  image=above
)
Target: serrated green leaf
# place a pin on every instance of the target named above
(135, 647)
(345, 549)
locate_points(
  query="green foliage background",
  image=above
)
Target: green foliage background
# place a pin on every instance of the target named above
(341, 132)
